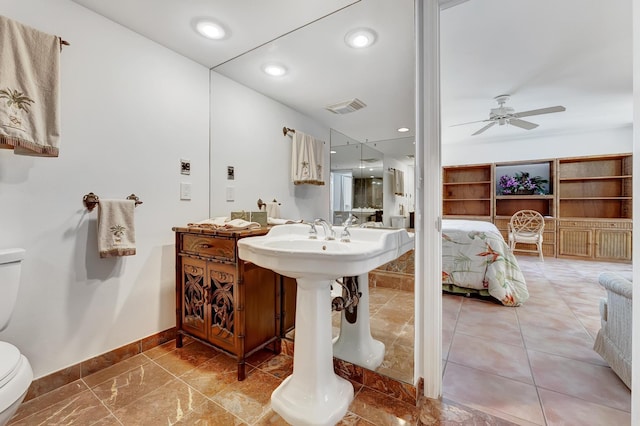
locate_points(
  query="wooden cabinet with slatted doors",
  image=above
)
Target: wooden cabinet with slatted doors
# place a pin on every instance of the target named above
(221, 300)
(608, 240)
(594, 207)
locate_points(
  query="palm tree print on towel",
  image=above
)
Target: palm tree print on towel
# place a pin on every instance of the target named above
(16, 102)
(118, 232)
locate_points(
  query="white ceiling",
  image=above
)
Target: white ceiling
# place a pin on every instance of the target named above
(575, 53)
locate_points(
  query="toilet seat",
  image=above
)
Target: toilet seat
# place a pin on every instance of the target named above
(10, 361)
(15, 377)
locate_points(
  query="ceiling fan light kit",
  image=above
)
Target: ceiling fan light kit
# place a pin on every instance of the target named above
(507, 115)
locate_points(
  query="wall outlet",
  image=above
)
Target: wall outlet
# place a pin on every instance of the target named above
(185, 191)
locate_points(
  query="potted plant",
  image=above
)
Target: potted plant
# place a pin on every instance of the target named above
(522, 184)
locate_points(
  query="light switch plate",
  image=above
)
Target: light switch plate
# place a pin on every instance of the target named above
(185, 191)
(231, 193)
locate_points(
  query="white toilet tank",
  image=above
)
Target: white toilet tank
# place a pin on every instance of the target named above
(10, 264)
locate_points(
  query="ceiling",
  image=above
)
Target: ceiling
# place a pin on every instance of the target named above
(574, 53)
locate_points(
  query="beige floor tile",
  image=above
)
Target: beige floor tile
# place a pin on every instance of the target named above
(589, 382)
(564, 410)
(491, 357)
(571, 343)
(499, 396)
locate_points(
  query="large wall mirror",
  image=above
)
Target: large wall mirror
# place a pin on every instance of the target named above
(323, 70)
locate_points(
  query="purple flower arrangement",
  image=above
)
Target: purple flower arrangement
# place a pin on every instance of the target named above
(521, 183)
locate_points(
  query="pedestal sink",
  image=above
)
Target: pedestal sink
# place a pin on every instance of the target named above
(314, 394)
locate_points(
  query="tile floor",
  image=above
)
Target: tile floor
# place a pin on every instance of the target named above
(531, 365)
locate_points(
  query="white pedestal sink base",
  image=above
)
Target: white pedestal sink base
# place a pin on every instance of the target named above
(313, 394)
(355, 343)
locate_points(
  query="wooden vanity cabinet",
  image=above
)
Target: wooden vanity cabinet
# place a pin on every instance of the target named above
(223, 301)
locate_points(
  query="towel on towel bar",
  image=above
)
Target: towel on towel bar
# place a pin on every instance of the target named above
(29, 87)
(116, 230)
(397, 183)
(307, 159)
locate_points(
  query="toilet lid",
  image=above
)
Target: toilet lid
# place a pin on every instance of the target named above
(9, 361)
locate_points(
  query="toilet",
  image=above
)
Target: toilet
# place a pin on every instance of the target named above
(15, 371)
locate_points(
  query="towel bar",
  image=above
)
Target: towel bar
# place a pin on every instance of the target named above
(91, 200)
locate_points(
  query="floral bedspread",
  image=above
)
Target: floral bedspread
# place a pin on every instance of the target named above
(476, 258)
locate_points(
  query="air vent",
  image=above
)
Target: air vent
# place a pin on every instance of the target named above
(346, 107)
(370, 160)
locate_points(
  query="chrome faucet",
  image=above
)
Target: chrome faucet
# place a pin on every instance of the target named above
(345, 237)
(313, 232)
(329, 233)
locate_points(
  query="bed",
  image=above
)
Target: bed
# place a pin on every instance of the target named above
(476, 259)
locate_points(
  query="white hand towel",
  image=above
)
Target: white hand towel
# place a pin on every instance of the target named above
(273, 210)
(116, 230)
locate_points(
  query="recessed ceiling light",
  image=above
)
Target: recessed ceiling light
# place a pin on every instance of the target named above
(332, 152)
(403, 129)
(360, 37)
(210, 29)
(274, 70)
(361, 167)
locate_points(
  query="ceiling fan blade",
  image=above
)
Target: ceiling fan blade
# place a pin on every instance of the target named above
(522, 124)
(484, 128)
(470, 122)
(539, 111)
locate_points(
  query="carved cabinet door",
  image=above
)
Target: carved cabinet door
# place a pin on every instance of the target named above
(194, 296)
(222, 302)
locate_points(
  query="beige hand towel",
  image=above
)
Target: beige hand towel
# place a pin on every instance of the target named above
(223, 223)
(116, 231)
(307, 160)
(239, 224)
(29, 87)
(212, 223)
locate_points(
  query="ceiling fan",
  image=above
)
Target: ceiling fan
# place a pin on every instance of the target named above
(507, 115)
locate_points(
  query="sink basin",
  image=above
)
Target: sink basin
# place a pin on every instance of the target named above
(314, 394)
(287, 250)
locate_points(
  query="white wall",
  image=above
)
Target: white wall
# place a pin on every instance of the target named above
(246, 132)
(608, 141)
(130, 110)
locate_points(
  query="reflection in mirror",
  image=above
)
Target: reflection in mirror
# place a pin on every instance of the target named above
(361, 175)
(325, 71)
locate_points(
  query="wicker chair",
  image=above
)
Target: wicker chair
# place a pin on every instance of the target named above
(613, 341)
(526, 227)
